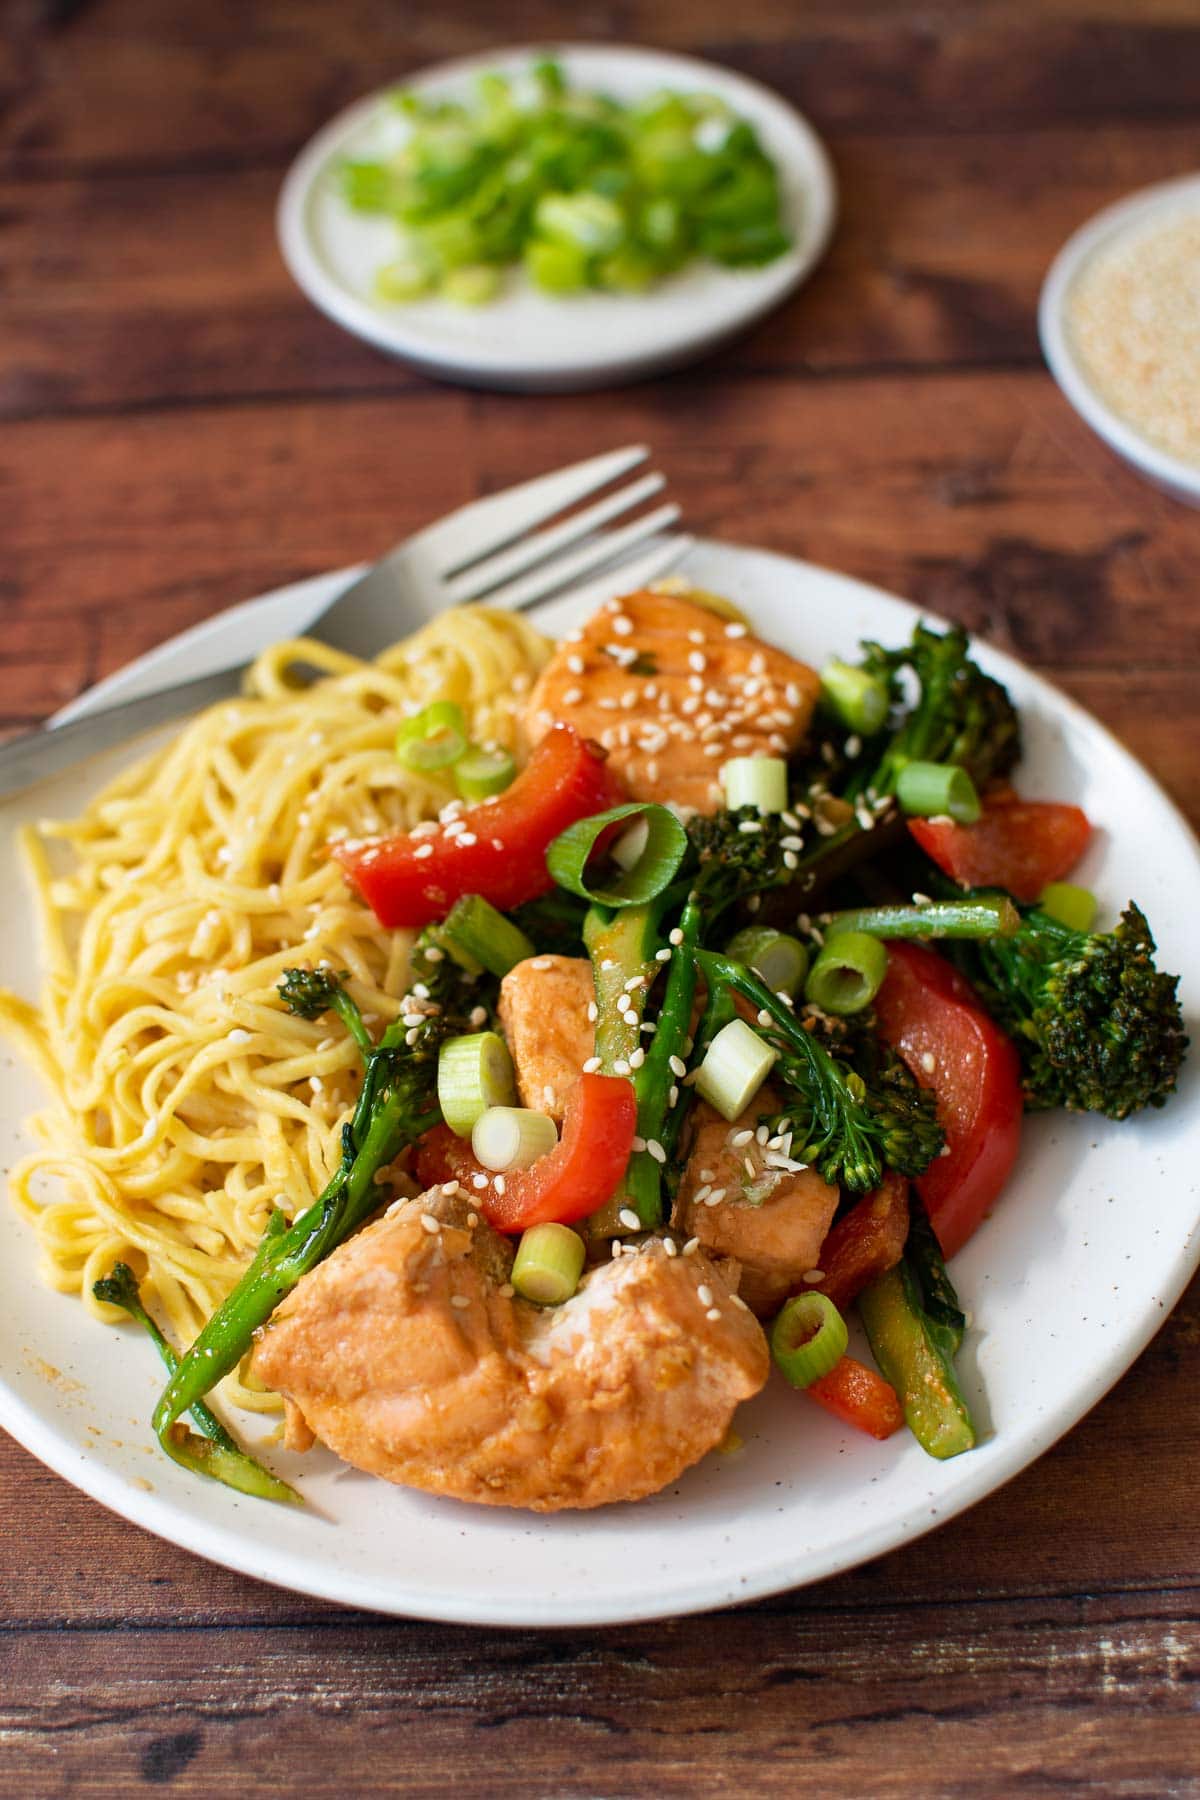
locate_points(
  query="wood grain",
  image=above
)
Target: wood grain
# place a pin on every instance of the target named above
(124, 292)
(181, 431)
(751, 1698)
(129, 86)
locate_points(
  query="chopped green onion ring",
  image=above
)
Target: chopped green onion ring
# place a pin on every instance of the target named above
(758, 781)
(665, 847)
(859, 700)
(928, 790)
(782, 961)
(1070, 905)
(432, 739)
(847, 974)
(473, 929)
(473, 1074)
(478, 774)
(735, 1066)
(512, 1137)
(548, 1264)
(808, 1338)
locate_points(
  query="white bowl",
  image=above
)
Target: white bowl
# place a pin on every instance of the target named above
(1176, 477)
(526, 339)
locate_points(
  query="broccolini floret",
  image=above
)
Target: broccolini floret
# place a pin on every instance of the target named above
(849, 1123)
(943, 709)
(1098, 1028)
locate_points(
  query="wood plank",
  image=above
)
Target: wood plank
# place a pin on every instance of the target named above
(1043, 1534)
(125, 84)
(981, 497)
(125, 291)
(981, 1701)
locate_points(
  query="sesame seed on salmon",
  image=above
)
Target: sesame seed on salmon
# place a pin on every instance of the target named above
(672, 691)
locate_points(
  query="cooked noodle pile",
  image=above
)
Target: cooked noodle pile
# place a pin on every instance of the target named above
(186, 1101)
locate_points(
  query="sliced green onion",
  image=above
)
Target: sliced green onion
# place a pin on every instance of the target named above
(556, 268)
(512, 1137)
(735, 1067)
(847, 973)
(758, 781)
(930, 790)
(478, 774)
(588, 222)
(433, 937)
(473, 1073)
(665, 846)
(548, 1264)
(859, 700)
(976, 916)
(432, 739)
(474, 285)
(631, 845)
(782, 961)
(474, 928)
(1070, 905)
(808, 1338)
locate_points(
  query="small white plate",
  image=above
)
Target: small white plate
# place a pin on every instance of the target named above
(526, 340)
(1176, 477)
(1089, 1248)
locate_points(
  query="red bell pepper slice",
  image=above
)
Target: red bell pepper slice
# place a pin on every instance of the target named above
(931, 1015)
(865, 1243)
(1018, 844)
(497, 849)
(858, 1396)
(569, 1182)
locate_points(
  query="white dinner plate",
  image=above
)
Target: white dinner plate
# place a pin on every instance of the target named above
(526, 339)
(1090, 1246)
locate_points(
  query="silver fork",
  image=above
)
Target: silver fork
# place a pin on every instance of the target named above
(490, 550)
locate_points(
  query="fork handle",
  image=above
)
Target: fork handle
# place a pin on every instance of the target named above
(37, 754)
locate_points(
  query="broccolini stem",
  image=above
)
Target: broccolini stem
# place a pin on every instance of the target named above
(978, 916)
(216, 1452)
(842, 1134)
(660, 1119)
(281, 1260)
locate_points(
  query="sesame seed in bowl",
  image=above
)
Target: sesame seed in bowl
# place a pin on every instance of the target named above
(1120, 327)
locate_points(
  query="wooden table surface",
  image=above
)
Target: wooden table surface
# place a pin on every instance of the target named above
(181, 431)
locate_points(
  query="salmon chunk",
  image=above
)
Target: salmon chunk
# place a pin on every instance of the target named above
(672, 691)
(407, 1353)
(544, 1017)
(773, 1221)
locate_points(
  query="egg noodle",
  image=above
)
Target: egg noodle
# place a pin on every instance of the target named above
(187, 1102)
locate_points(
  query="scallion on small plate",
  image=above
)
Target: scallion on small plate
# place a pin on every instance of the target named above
(712, 200)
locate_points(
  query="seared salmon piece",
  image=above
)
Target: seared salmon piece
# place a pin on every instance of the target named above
(544, 1017)
(773, 1221)
(672, 691)
(407, 1353)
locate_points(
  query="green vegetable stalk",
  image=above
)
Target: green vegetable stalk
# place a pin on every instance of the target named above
(214, 1452)
(396, 1104)
(852, 1123)
(915, 1353)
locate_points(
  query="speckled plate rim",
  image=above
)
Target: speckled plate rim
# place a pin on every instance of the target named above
(658, 330)
(1170, 472)
(241, 1534)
